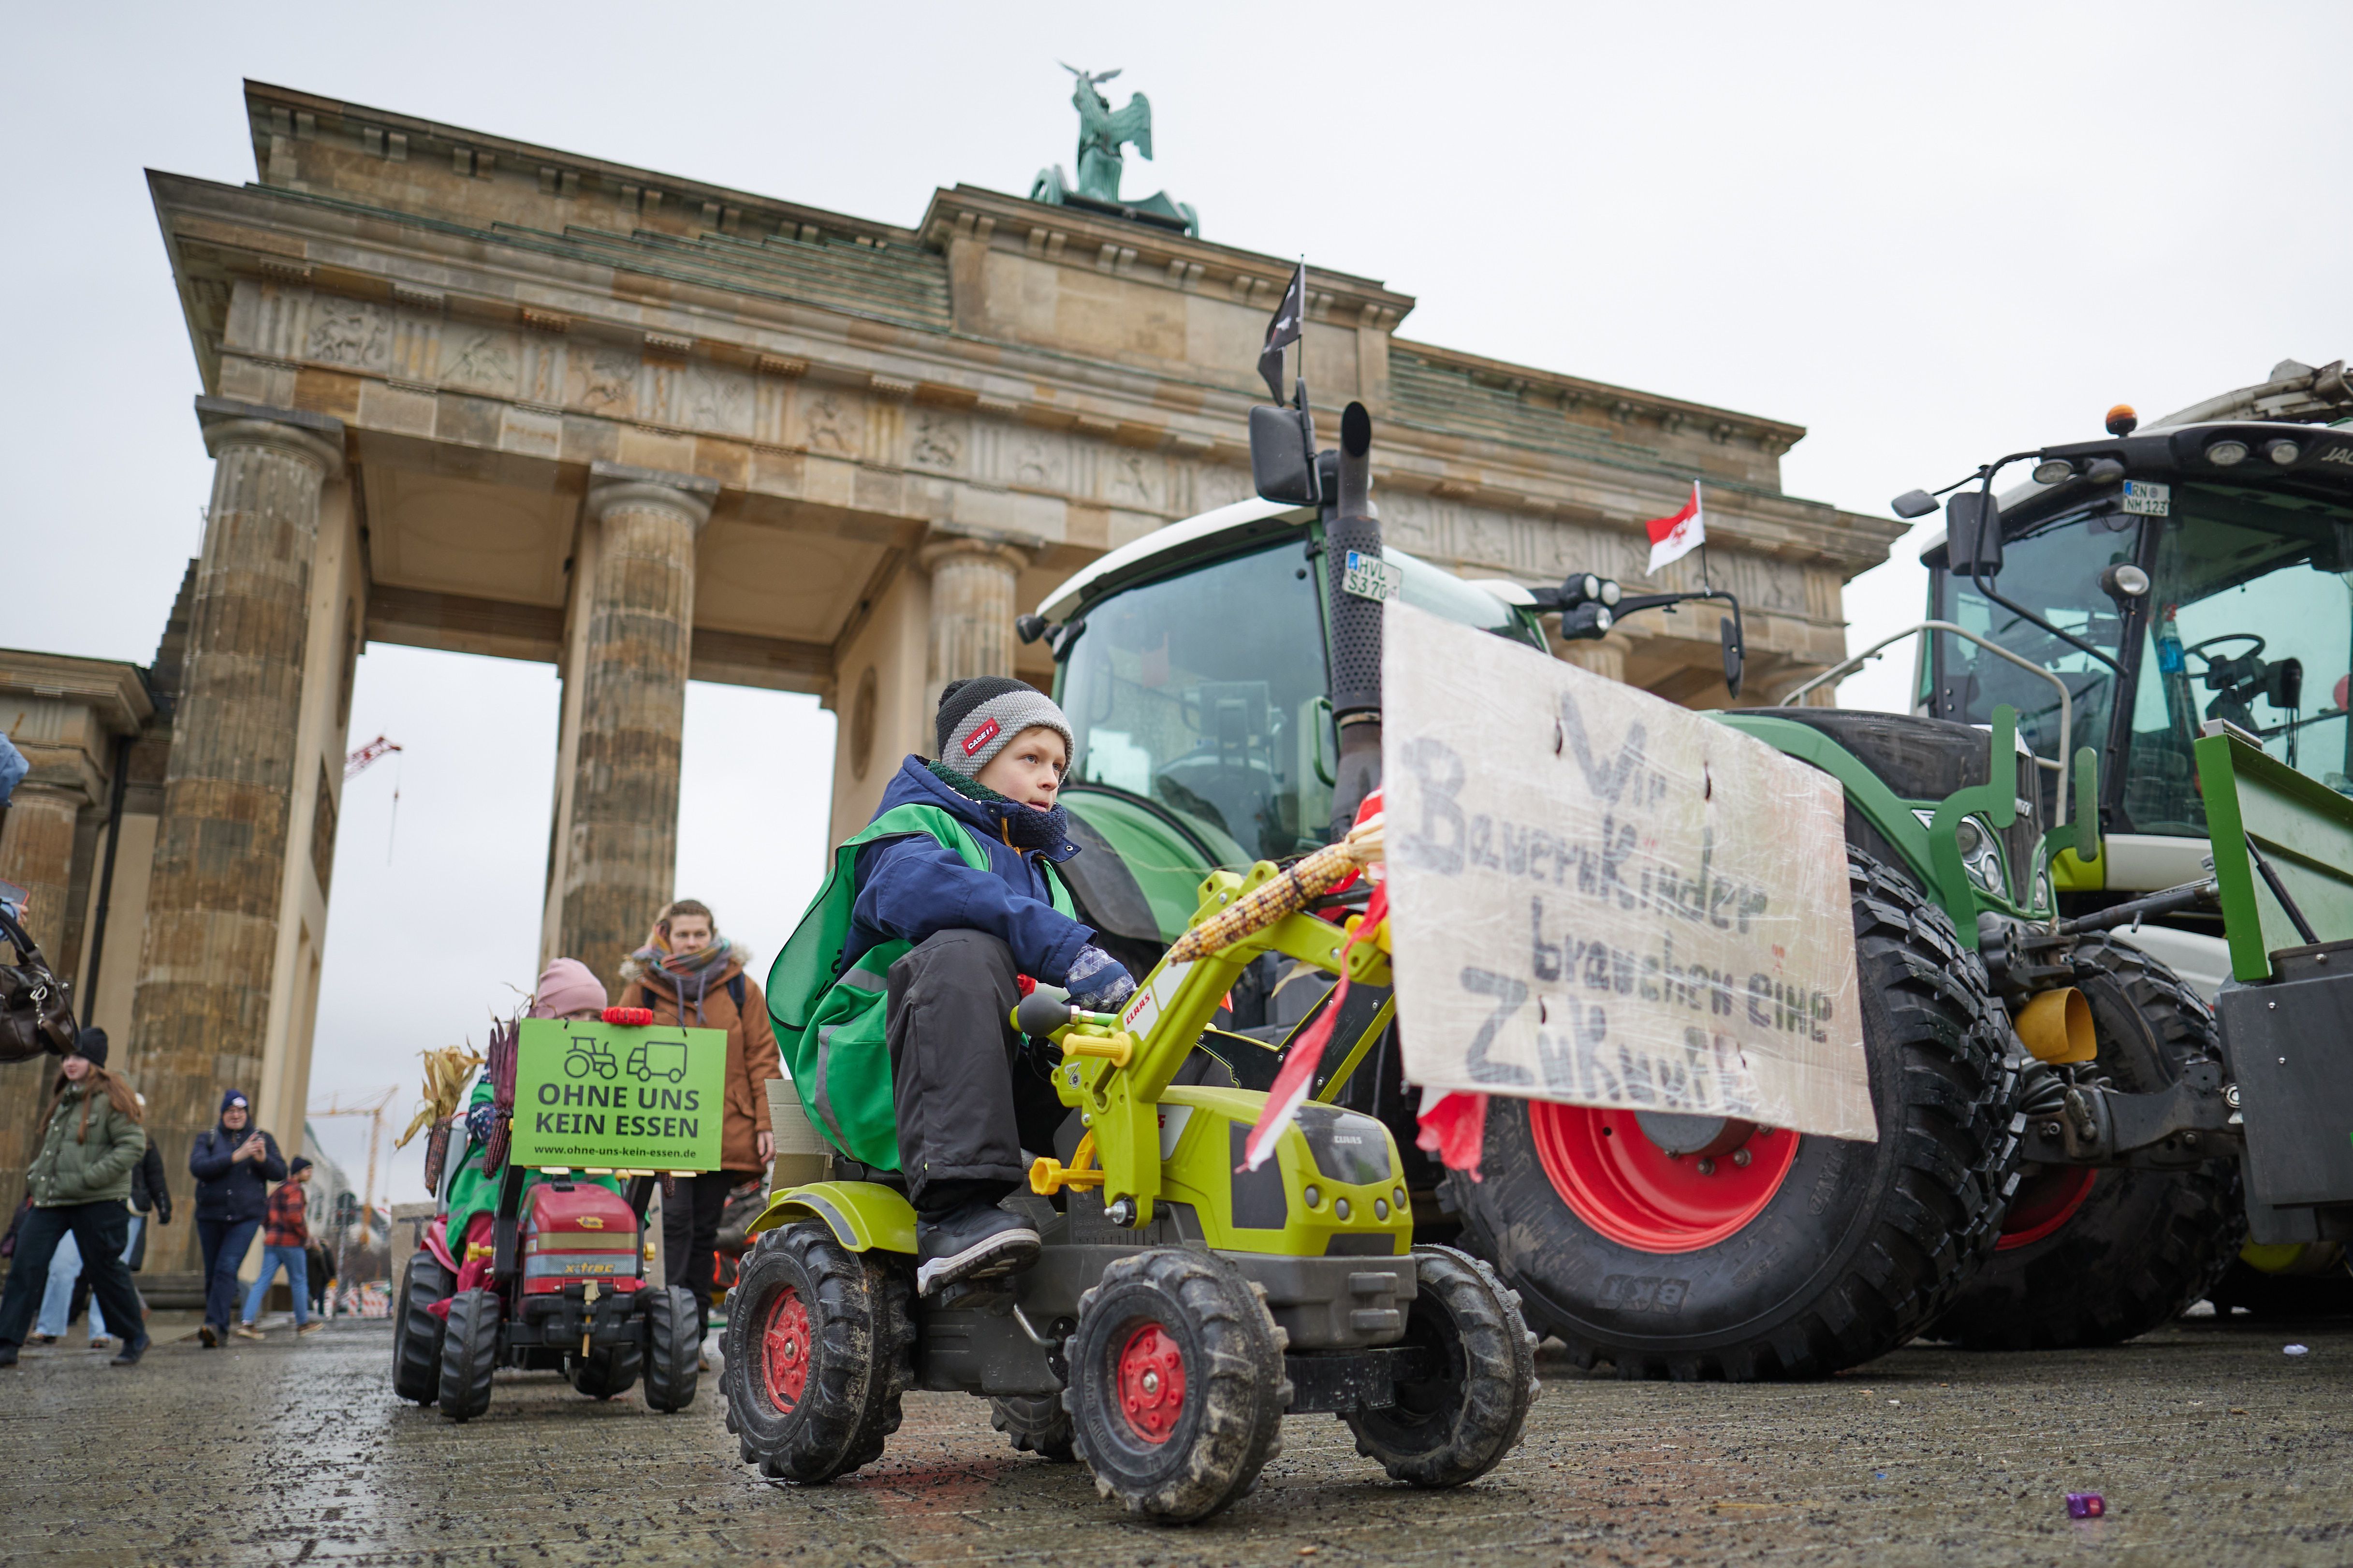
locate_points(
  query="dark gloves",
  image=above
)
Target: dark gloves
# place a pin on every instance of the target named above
(1098, 981)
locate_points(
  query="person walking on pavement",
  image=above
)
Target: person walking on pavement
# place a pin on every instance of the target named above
(285, 1243)
(89, 1139)
(68, 1280)
(234, 1165)
(690, 975)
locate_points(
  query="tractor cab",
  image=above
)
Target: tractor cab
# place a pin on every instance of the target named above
(1195, 666)
(2172, 581)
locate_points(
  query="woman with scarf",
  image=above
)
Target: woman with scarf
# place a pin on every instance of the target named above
(690, 975)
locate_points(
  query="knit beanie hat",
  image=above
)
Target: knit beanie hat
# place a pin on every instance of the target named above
(297, 1165)
(90, 1046)
(231, 1098)
(567, 985)
(978, 718)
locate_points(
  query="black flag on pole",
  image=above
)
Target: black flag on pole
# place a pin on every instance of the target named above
(1284, 330)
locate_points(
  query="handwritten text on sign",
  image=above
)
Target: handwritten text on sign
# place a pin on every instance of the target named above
(612, 1096)
(1604, 899)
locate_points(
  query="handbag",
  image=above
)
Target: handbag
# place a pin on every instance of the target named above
(35, 1012)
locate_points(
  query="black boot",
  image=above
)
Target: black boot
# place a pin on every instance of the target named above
(977, 1241)
(7, 1355)
(132, 1350)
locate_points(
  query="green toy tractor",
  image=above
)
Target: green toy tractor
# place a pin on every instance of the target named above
(1187, 1298)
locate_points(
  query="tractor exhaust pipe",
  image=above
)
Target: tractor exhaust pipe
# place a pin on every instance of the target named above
(1357, 584)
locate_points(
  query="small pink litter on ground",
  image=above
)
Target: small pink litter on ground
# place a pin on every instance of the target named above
(2086, 1505)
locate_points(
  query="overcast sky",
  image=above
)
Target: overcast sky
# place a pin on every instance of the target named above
(1930, 235)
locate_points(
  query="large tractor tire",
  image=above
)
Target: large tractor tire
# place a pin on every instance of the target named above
(2096, 1256)
(1782, 1256)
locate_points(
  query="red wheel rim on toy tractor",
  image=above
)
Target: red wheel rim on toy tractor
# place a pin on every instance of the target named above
(1151, 1379)
(1615, 1179)
(2045, 1201)
(784, 1349)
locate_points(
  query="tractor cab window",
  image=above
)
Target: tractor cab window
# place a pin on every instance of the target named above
(1204, 692)
(2054, 571)
(2251, 621)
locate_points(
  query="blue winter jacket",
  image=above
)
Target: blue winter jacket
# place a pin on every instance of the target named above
(228, 1188)
(911, 889)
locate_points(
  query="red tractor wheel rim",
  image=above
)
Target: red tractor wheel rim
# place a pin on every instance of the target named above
(1633, 1192)
(784, 1349)
(2045, 1201)
(1151, 1382)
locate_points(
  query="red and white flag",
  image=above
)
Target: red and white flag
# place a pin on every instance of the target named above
(1673, 538)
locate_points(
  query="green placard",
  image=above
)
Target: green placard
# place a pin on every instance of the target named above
(610, 1096)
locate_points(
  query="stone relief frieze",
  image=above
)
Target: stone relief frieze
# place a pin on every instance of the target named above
(832, 424)
(935, 441)
(480, 359)
(714, 398)
(1039, 461)
(602, 381)
(1137, 480)
(350, 333)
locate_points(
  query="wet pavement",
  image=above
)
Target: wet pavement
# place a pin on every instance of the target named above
(2209, 1444)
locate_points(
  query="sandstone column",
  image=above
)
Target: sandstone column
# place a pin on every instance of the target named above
(202, 1009)
(619, 853)
(972, 582)
(36, 845)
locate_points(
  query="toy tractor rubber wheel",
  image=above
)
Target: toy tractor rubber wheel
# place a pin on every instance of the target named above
(1176, 1388)
(1456, 1426)
(416, 1331)
(673, 1356)
(1038, 1424)
(470, 1353)
(1810, 1254)
(2089, 1256)
(603, 1374)
(819, 1349)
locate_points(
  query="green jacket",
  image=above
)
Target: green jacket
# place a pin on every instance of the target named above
(830, 1024)
(90, 1164)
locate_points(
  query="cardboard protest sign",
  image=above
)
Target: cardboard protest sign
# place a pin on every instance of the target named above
(1603, 899)
(614, 1096)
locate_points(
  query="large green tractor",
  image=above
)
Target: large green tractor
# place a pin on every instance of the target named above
(2060, 1142)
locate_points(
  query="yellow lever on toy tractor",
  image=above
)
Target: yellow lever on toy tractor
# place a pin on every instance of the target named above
(1049, 1175)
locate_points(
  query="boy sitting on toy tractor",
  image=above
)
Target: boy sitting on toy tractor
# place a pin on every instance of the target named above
(893, 996)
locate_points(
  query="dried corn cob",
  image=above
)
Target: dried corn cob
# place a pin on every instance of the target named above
(447, 1072)
(1293, 888)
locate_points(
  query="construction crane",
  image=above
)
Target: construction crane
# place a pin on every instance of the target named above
(374, 751)
(374, 1104)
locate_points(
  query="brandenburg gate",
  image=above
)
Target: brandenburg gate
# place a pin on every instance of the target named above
(470, 393)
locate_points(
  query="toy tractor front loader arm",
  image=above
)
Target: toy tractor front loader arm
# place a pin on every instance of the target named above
(1115, 1069)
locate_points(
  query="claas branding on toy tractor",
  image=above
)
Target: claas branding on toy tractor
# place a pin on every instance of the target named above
(538, 1257)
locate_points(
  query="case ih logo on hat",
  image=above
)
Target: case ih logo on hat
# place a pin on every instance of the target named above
(980, 737)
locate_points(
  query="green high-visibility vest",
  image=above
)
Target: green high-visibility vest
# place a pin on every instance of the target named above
(830, 1028)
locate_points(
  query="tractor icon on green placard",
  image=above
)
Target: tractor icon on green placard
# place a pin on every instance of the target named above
(590, 1055)
(650, 1059)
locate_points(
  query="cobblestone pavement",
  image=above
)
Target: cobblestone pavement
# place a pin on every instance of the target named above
(2212, 1447)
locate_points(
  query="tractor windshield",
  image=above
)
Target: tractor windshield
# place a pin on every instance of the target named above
(1205, 694)
(2054, 571)
(2251, 621)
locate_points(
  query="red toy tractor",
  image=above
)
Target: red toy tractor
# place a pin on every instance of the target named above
(558, 1285)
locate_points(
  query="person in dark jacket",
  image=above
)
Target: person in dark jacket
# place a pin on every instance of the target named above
(967, 1098)
(234, 1165)
(89, 1139)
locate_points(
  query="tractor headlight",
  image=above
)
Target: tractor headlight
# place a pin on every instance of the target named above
(2283, 453)
(1980, 855)
(2226, 454)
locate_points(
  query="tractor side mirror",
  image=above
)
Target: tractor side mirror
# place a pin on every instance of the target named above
(1283, 455)
(1912, 504)
(1972, 535)
(1736, 654)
